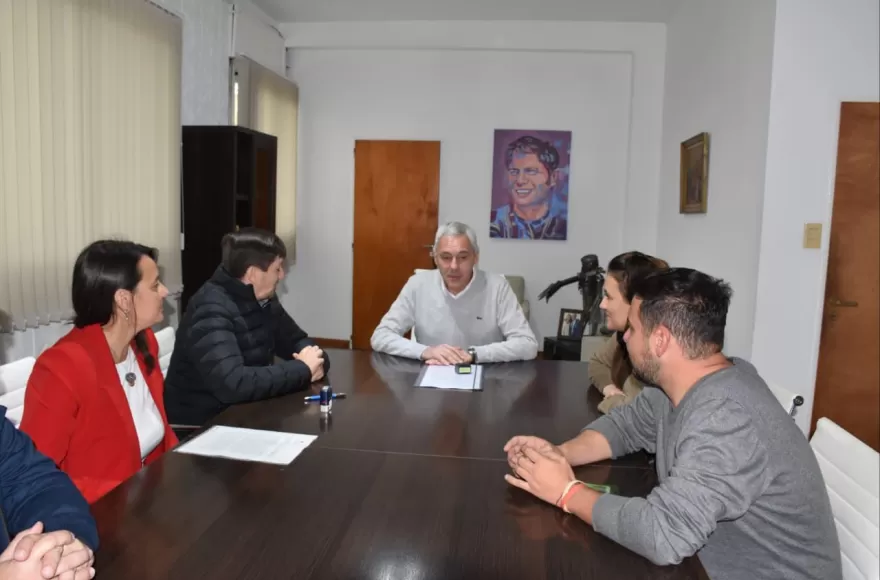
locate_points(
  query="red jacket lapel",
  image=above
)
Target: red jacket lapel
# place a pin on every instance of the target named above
(92, 337)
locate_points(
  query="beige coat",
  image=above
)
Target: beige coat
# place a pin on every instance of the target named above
(600, 374)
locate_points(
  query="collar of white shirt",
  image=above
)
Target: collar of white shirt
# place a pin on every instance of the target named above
(462, 293)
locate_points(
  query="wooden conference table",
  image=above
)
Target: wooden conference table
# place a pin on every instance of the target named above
(402, 483)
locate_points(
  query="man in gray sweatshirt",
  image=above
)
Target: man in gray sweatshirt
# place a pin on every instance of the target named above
(739, 484)
(458, 313)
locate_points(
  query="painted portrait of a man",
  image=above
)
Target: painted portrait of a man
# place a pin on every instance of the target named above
(530, 185)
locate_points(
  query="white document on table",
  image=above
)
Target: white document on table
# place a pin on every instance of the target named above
(445, 377)
(248, 444)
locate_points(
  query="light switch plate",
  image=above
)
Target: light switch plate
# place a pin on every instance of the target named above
(813, 236)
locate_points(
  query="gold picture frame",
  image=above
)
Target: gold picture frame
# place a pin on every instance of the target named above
(694, 174)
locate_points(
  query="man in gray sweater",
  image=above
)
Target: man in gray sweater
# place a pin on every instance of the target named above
(458, 313)
(739, 484)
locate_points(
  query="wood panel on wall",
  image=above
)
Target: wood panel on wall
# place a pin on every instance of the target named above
(848, 374)
(396, 193)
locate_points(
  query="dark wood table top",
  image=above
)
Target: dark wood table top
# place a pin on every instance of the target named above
(382, 410)
(407, 491)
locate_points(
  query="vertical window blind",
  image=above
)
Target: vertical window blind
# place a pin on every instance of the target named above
(269, 103)
(89, 143)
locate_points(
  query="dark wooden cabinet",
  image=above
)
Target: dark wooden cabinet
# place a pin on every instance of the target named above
(228, 182)
(561, 349)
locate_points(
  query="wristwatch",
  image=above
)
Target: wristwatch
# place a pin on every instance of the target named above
(473, 352)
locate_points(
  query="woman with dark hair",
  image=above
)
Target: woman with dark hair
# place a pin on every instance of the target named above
(610, 369)
(94, 402)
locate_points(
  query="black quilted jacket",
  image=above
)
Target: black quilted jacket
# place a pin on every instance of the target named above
(224, 352)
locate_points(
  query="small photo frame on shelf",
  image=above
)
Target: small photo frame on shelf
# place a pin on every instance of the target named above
(571, 324)
(694, 174)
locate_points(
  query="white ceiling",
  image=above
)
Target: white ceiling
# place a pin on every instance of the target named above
(402, 10)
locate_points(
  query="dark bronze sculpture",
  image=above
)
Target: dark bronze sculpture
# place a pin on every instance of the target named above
(590, 281)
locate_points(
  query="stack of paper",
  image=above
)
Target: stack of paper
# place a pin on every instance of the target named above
(248, 444)
(446, 377)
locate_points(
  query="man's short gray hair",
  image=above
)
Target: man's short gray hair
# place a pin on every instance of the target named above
(457, 229)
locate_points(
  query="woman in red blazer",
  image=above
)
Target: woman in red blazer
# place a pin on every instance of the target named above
(94, 402)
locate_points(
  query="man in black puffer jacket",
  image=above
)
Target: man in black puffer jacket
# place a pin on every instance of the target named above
(231, 331)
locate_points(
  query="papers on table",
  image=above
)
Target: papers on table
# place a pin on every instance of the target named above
(248, 444)
(445, 377)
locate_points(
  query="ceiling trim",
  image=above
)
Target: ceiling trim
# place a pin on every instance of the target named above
(457, 35)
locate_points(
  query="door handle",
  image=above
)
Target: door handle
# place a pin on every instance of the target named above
(842, 303)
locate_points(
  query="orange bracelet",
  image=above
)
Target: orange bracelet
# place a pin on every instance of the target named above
(565, 491)
(574, 489)
(569, 491)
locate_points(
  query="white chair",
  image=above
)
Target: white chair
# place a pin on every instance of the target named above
(789, 401)
(165, 338)
(13, 381)
(851, 471)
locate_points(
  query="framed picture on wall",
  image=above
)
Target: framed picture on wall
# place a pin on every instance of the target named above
(530, 175)
(694, 174)
(571, 324)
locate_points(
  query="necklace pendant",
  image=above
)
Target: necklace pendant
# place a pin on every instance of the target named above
(130, 378)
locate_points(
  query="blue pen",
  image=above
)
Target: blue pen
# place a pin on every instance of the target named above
(318, 397)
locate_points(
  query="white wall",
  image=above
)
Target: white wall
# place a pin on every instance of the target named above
(825, 53)
(209, 41)
(205, 74)
(718, 68)
(457, 83)
(257, 37)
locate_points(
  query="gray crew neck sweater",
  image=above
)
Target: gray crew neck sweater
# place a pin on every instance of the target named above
(738, 483)
(486, 316)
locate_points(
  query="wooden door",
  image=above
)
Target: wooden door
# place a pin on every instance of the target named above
(396, 190)
(848, 376)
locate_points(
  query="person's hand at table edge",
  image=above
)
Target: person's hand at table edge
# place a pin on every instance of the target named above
(444, 354)
(544, 473)
(58, 554)
(548, 476)
(611, 390)
(313, 357)
(518, 444)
